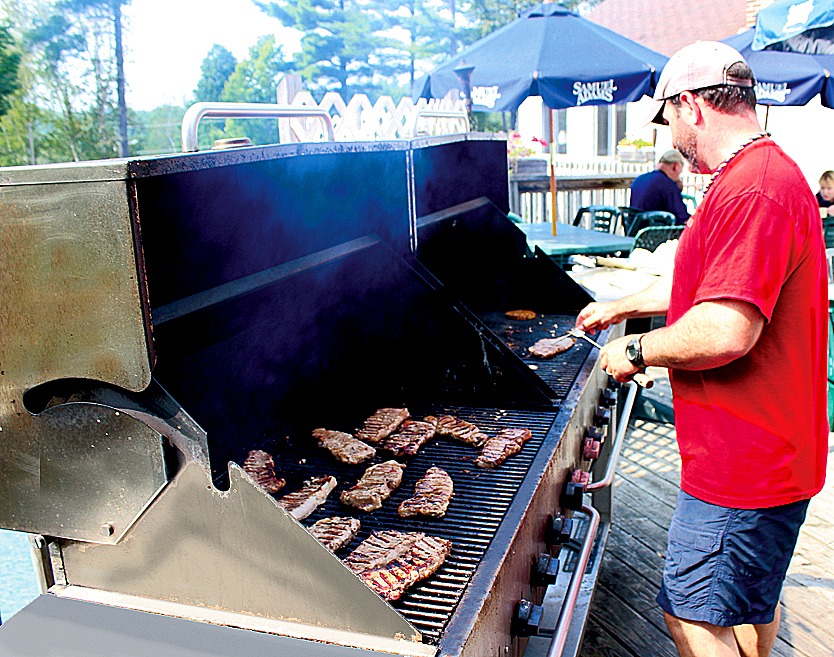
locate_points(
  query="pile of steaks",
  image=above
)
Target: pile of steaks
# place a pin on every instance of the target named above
(387, 561)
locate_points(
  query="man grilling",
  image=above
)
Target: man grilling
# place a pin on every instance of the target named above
(745, 344)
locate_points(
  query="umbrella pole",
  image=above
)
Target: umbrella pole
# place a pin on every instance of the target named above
(552, 178)
(767, 115)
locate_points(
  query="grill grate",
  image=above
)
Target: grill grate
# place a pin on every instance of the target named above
(481, 500)
(558, 372)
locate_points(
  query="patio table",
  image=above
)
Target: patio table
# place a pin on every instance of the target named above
(573, 239)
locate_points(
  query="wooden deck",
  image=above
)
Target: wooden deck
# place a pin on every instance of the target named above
(625, 621)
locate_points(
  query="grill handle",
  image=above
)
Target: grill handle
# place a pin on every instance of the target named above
(560, 633)
(619, 439)
(199, 111)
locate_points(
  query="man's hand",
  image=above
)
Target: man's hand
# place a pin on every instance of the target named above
(613, 359)
(598, 317)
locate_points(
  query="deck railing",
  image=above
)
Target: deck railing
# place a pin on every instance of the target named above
(579, 183)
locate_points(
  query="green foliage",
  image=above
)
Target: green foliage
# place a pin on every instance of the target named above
(340, 49)
(157, 131)
(9, 67)
(216, 69)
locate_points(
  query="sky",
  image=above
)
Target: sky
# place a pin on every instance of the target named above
(166, 41)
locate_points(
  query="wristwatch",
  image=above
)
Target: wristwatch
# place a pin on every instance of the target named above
(634, 352)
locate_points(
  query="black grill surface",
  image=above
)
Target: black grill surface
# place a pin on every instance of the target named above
(558, 372)
(481, 499)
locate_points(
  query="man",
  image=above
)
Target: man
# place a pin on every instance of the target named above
(660, 189)
(745, 344)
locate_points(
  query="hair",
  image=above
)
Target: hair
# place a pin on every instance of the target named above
(726, 98)
(827, 177)
(671, 157)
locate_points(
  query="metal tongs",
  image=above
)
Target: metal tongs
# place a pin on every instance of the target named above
(640, 378)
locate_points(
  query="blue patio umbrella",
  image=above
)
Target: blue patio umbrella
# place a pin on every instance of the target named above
(550, 52)
(796, 26)
(786, 78)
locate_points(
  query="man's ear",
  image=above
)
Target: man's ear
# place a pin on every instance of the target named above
(690, 107)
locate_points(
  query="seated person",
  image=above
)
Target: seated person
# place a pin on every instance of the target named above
(825, 197)
(661, 189)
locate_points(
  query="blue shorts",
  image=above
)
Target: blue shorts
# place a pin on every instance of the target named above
(726, 566)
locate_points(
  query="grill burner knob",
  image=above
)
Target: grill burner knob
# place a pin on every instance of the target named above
(526, 619)
(574, 490)
(613, 384)
(595, 433)
(558, 530)
(590, 450)
(608, 397)
(546, 570)
(602, 417)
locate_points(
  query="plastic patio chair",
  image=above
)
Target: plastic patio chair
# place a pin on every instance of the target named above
(627, 216)
(603, 217)
(653, 236)
(648, 219)
(828, 231)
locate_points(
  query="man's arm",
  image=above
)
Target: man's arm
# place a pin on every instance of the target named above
(710, 334)
(654, 300)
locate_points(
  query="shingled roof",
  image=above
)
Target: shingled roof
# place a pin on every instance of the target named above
(668, 25)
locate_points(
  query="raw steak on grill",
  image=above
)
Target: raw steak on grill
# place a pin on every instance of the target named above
(466, 432)
(382, 424)
(412, 435)
(344, 446)
(501, 446)
(374, 487)
(394, 572)
(308, 498)
(261, 467)
(334, 533)
(432, 495)
(549, 347)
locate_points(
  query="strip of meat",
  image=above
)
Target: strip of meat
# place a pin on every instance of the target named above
(334, 533)
(466, 432)
(375, 486)
(413, 434)
(308, 498)
(501, 446)
(381, 548)
(344, 446)
(261, 467)
(432, 495)
(549, 347)
(382, 424)
(391, 579)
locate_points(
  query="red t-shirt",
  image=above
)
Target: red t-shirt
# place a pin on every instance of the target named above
(754, 433)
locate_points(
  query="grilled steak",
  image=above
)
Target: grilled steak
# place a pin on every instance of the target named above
(382, 424)
(466, 432)
(412, 557)
(308, 498)
(549, 347)
(261, 467)
(523, 315)
(412, 435)
(501, 446)
(334, 533)
(374, 487)
(381, 548)
(344, 446)
(432, 495)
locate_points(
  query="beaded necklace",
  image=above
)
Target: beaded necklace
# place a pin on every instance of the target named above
(724, 164)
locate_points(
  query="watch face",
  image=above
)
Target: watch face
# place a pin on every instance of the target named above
(633, 351)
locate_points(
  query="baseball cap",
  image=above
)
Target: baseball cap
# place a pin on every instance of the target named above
(696, 66)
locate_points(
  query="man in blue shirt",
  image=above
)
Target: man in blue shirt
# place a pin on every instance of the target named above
(659, 189)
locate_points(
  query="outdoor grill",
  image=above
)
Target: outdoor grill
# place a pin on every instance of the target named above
(164, 316)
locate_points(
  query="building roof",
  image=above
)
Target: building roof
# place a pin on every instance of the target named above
(668, 25)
